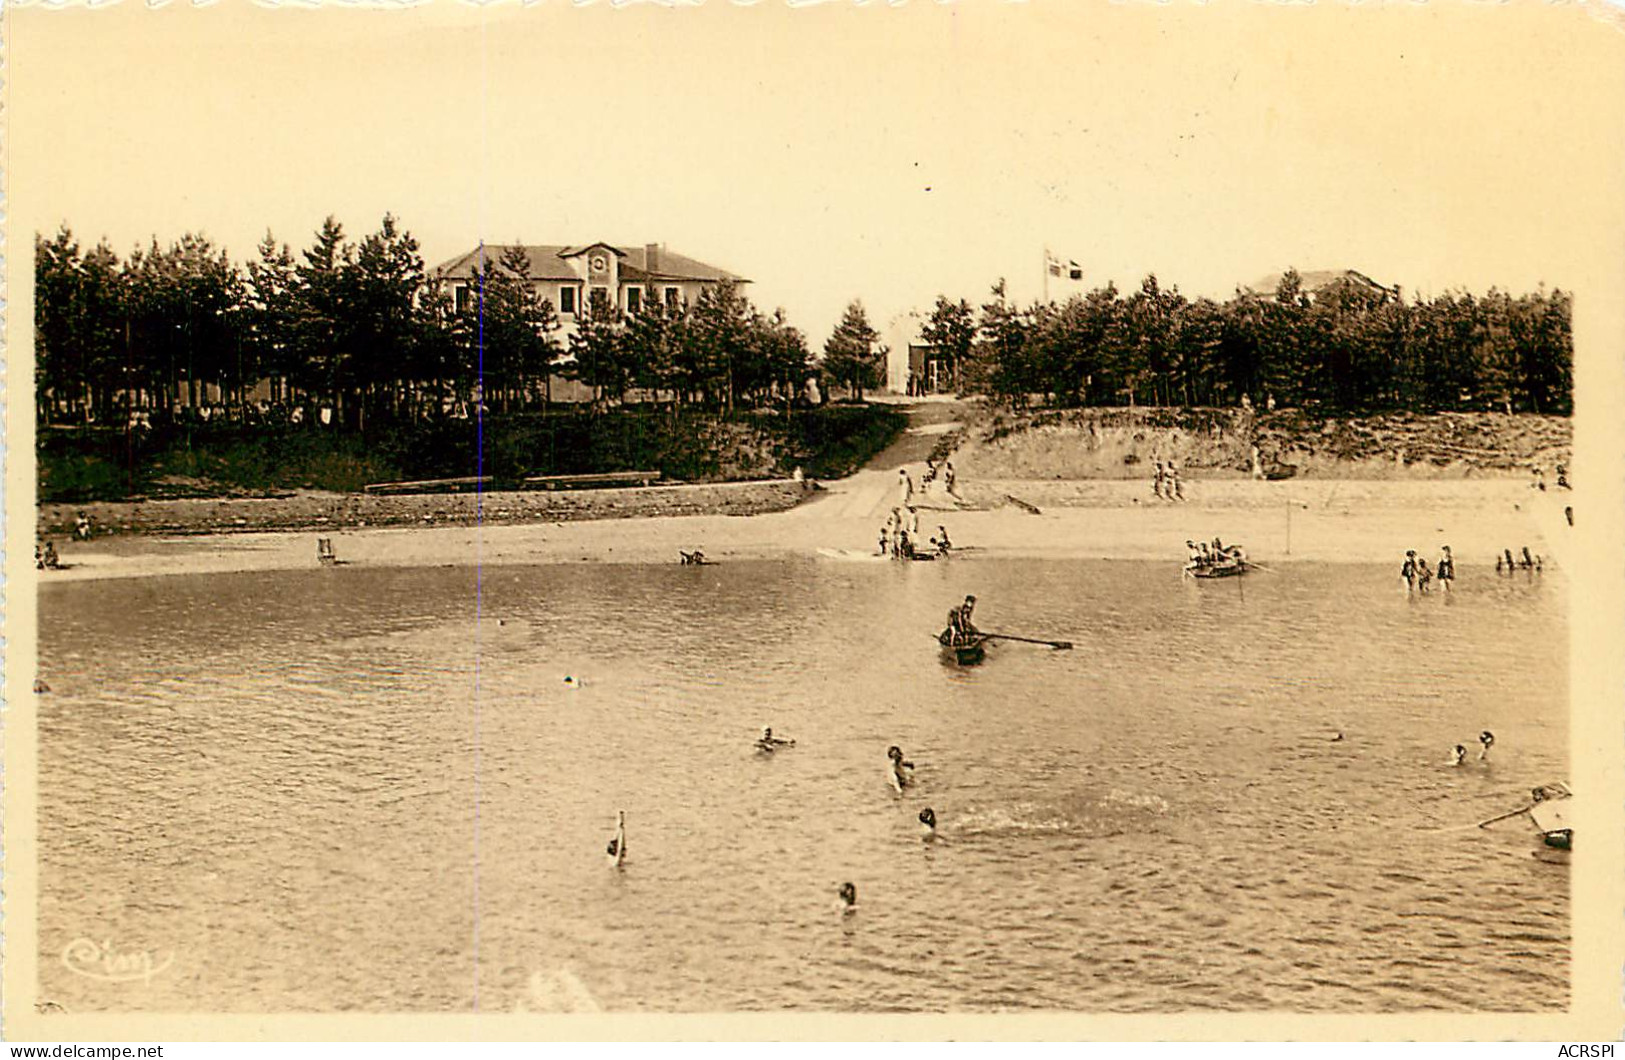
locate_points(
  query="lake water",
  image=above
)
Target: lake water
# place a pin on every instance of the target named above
(375, 790)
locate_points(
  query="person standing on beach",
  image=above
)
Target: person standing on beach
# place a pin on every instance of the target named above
(948, 480)
(1156, 480)
(905, 487)
(1176, 489)
(1408, 570)
(913, 522)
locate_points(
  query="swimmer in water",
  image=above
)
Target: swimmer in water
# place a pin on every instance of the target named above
(617, 845)
(1458, 755)
(770, 743)
(1486, 740)
(849, 899)
(901, 773)
(928, 822)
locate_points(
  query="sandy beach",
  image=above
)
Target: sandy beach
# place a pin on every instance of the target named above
(1319, 521)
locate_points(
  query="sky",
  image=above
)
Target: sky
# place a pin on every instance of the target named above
(838, 151)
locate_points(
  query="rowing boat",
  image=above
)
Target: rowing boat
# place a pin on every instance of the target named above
(1550, 813)
(967, 652)
(852, 555)
(1227, 569)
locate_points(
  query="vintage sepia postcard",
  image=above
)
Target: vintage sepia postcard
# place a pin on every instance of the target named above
(974, 520)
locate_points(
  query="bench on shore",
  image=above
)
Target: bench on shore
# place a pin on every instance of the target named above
(600, 479)
(429, 485)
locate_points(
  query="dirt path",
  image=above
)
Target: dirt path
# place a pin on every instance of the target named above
(928, 420)
(869, 494)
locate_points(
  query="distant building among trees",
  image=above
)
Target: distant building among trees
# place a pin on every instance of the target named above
(350, 331)
(571, 277)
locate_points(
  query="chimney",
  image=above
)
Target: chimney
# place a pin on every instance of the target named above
(651, 257)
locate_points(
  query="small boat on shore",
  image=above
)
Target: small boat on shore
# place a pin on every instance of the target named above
(852, 555)
(1230, 568)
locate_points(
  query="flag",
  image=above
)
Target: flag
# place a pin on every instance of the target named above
(1064, 270)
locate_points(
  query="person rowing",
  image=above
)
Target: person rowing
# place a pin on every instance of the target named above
(617, 844)
(961, 630)
(1195, 557)
(966, 626)
(770, 743)
(900, 774)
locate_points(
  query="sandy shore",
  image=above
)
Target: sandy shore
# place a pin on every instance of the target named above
(1321, 521)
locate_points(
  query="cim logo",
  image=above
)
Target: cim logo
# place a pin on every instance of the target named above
(99, 960)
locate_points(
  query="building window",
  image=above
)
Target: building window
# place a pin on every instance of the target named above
(634, 298)
(460, 292)
(673, 296)
(600, 299)
(567, 299)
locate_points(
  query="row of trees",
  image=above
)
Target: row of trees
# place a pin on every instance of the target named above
(1349, 347)
(362, 328)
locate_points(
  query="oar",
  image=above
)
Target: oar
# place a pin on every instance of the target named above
(1260, 566)
(1058, 645)
(1503, 816)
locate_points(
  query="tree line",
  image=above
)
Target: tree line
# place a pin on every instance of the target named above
(361, 328)
(1349, 347)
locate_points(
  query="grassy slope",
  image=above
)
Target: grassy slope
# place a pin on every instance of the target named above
(223, 460)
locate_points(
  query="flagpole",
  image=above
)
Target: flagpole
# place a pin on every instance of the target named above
(1046, 275)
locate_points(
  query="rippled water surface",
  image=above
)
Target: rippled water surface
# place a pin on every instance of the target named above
(375, 790)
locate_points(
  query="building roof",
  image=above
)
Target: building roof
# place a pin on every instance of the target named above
(548, 262)
(1317, 280)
